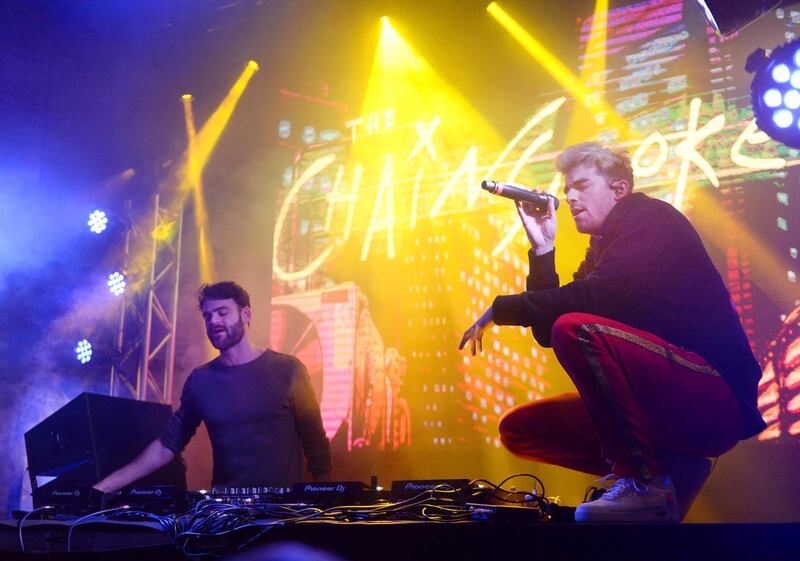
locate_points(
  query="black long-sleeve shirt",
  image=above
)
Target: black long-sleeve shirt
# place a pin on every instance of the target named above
(647, 268)
(261, 417)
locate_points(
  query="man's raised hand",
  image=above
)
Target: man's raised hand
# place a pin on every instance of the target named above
(474, 335)
(540, 227)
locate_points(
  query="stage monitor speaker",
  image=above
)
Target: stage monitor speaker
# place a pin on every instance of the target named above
(93, 435)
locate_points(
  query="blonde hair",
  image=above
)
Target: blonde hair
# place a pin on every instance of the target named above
(613, 162)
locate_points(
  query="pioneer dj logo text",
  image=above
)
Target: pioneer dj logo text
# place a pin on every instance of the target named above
(146, 492)
(324, 489)
(57, 493)
(420, 486)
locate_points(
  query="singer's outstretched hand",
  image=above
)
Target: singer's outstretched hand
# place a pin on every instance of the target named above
(474, 335)
(540, 227)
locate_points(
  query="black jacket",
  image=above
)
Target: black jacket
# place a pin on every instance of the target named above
(646, 268)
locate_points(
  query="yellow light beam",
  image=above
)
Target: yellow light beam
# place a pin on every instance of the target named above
(207, 137)
(429, 118)
(190, 166)
(592, 75)
(558, 70)
(116, 180)
(403, 82)
(719, 227)
(200, 214)
(594, 58)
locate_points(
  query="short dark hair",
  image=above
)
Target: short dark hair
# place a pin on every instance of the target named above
(221, 291)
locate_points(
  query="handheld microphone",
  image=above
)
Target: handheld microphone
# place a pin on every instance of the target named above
(516, 193)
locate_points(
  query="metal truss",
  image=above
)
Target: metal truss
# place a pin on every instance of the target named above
(144, 357)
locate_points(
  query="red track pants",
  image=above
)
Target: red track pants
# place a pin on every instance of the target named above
(640, 402)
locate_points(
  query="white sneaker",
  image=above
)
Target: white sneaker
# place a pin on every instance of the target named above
(629, 500)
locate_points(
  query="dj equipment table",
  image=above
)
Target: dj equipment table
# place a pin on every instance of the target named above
(421, 541)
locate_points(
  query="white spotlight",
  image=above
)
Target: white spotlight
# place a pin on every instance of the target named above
(782, 118)
(83, 351)
(97, 221)
(773, 98)
(116, 283)
(781, 73)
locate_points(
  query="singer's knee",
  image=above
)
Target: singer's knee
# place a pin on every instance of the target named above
(521, 427)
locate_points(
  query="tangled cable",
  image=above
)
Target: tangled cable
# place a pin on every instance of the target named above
(216, 527)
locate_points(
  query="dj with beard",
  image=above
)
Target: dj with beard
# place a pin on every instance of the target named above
(258, 406)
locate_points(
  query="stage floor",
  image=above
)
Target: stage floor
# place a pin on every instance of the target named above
(421, 541)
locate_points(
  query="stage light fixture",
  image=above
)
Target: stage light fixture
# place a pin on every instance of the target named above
(775, 92)
(727, 16)
(98, 221)
(309, 134)
(116, 283)
(83, 351)
(284, 129)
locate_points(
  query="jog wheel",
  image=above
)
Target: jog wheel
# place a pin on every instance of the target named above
(293, 333)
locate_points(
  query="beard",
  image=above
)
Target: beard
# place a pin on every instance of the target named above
(231, 337)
